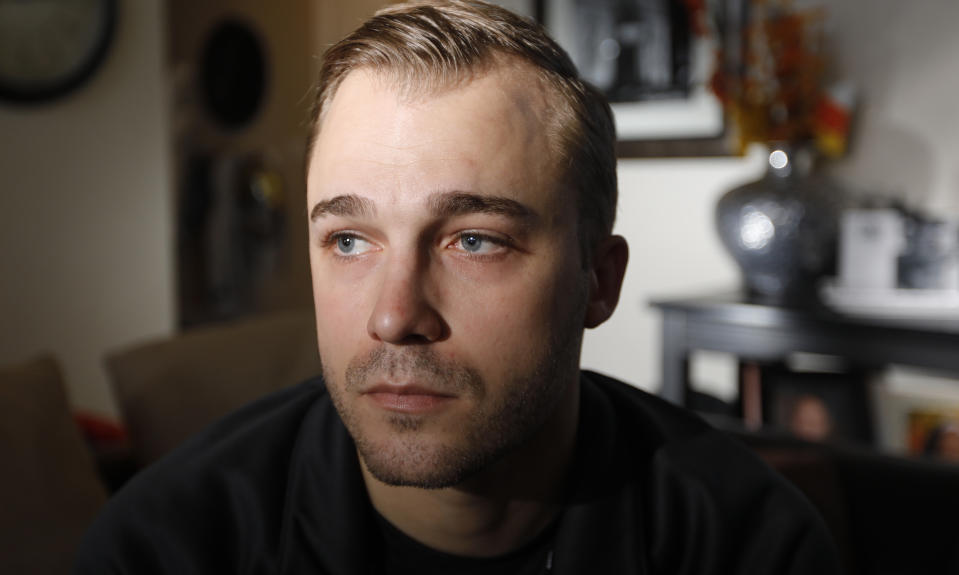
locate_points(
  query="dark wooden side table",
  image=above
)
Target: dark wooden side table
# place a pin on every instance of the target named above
(759, 332)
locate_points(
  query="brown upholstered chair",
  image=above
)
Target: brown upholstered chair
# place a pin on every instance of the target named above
(49, 488)
(170, 389)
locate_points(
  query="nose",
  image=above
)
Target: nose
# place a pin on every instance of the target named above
(403, 312)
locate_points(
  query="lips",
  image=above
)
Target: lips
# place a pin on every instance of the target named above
(410, 399)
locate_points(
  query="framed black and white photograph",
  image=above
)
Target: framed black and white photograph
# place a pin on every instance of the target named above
(654, 60)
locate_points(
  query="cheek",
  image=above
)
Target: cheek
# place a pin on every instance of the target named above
(514, 318)
(340, 325)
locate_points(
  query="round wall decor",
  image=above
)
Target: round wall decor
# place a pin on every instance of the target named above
(50, 47)
(233, 73)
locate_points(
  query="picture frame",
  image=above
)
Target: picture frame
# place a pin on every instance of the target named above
(913, 414)
(928, 427)
(830, 407)
(671, 111)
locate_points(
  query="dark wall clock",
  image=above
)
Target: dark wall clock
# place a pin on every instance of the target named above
(50, 47)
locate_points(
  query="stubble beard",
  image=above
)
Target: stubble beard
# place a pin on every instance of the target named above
(405, 458)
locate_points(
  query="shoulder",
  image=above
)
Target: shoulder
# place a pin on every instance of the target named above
(700, 489)
(222, 490)
(629, 419)
(664, 420)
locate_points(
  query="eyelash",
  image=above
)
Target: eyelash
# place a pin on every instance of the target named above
(332, 237)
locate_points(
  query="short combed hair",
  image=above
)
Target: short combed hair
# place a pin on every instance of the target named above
(433, 44)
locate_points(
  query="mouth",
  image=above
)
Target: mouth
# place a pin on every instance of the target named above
(409, 399)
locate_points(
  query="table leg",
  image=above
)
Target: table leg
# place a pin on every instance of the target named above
(675, 358)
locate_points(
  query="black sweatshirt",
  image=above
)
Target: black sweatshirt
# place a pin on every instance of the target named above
(276, 488)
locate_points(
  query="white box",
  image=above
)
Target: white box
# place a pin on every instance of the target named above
(870, 242)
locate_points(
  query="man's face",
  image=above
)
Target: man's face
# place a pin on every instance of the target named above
(446, 269)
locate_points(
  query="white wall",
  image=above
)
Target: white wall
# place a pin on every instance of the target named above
(904, 56)
(666, 212)
(86, 237)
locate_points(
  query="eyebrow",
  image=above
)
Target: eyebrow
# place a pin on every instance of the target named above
(348, 205)
(449, 204)
(443, 204)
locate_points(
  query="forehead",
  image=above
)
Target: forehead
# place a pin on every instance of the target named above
(490, 133)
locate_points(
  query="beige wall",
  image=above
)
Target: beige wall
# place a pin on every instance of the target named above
(903, 56)
(86, 241)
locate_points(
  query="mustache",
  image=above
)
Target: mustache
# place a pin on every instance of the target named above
(419, 364)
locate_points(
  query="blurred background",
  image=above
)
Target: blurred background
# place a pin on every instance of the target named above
(152, 191)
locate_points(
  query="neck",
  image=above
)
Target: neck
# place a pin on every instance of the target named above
(500, 508)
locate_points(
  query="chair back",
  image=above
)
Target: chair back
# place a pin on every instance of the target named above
(172, 388)
(49, 487)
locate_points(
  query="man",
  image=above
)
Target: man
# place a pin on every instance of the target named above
(461, 189)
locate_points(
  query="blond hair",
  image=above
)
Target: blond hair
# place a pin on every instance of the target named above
(434, 44)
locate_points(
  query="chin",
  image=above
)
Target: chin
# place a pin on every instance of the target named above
(445, 446)
(415, 463)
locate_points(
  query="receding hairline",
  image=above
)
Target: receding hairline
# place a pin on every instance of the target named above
(524, 89)
(429, 45)
(410, 86)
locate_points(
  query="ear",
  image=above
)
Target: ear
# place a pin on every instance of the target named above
(606, 279)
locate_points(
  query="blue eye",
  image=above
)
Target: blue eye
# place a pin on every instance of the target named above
(471, 242)
(349, 244)
(346, 244)
(480, 244)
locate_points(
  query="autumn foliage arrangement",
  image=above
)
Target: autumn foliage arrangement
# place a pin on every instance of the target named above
(781, 89)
